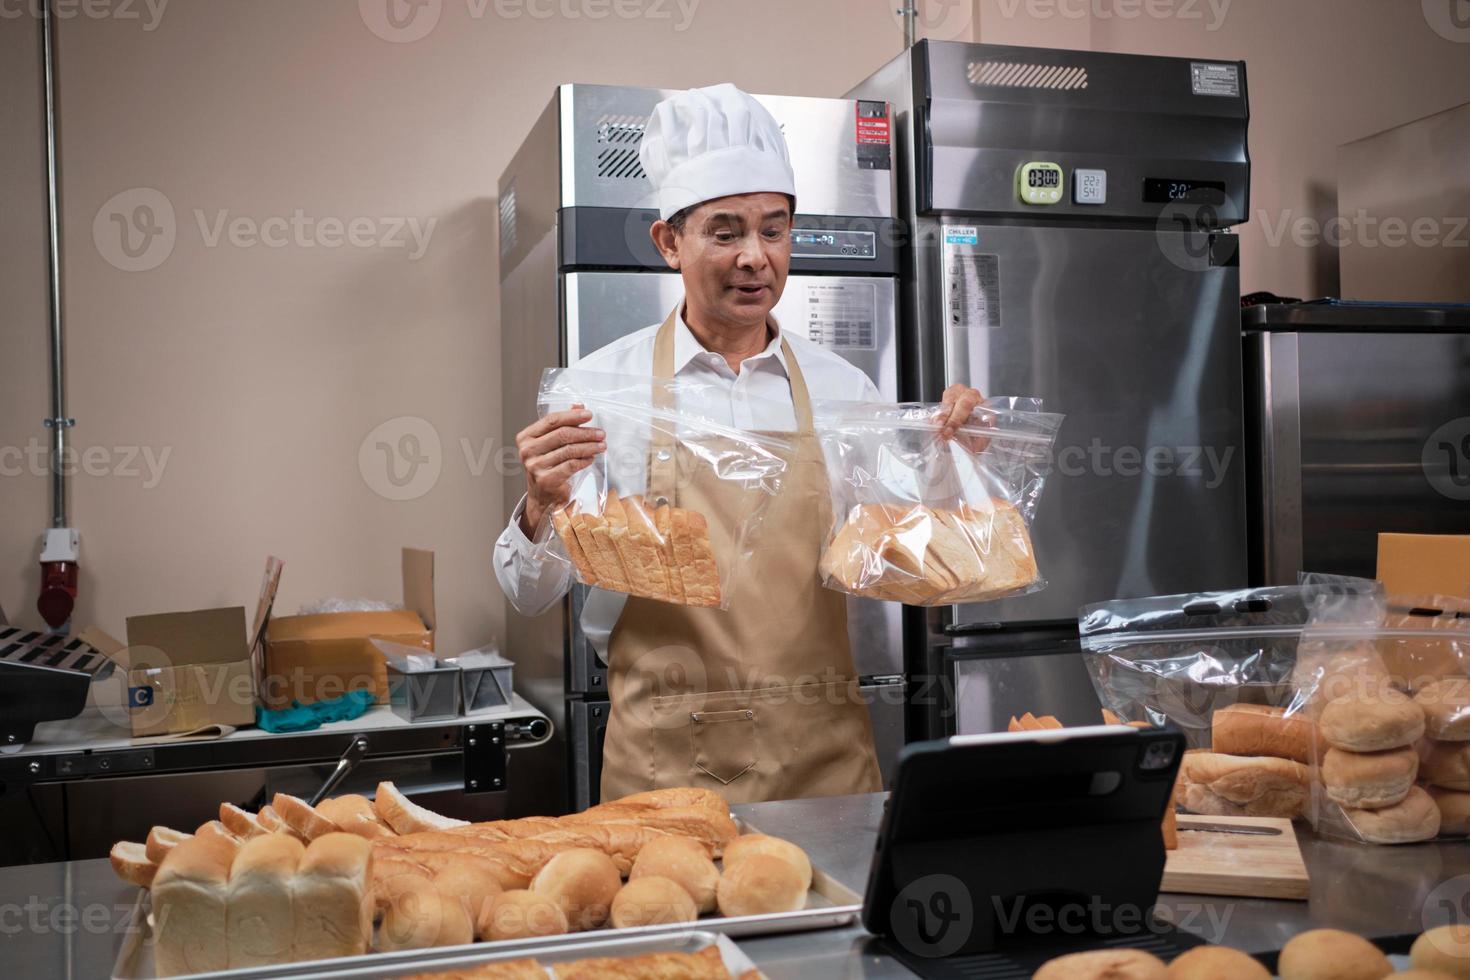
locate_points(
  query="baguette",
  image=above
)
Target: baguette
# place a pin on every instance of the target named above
(161, 840)
(1256, 729)
(405, 816)
(189, 907)
(707, 964)
(131, 863)
(300, 817)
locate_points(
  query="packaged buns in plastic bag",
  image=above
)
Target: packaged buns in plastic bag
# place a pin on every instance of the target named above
(928, 521)
(673, 506)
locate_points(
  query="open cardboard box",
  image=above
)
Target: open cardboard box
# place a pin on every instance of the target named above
(185, 670)
(321, 656)
(1424, 564)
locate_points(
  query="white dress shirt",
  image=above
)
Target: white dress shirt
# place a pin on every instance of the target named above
(759, 399)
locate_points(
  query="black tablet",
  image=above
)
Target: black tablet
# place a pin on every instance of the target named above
(998, 840)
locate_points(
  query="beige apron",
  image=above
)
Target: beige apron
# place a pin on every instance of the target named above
(760, 701)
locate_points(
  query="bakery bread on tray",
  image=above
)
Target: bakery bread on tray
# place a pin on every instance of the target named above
(350, 875)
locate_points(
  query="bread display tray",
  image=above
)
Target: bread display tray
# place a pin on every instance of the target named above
(829, 905)
(560, 949)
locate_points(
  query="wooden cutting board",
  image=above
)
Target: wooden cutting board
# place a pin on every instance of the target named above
(1251, 865)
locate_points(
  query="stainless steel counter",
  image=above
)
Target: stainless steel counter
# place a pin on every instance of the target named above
(66, 919)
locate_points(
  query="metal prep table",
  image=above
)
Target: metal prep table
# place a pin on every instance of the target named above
(66, 919)
(74, 769)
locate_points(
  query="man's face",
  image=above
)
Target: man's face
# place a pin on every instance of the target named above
(733, 253)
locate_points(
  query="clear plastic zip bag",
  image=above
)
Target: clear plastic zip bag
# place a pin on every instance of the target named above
(926, 521)
(672, 509)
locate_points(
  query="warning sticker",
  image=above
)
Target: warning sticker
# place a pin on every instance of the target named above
(872, 135)
(973, 290)
(1213, 79)
(842, 315)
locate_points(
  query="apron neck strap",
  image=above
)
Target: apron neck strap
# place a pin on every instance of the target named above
(661, 462)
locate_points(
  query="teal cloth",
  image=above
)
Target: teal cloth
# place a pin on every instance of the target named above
(304, 717)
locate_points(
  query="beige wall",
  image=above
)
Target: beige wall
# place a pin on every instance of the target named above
(259, 371)
(1321, 73)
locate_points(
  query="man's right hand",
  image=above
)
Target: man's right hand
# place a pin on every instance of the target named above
(553, 449)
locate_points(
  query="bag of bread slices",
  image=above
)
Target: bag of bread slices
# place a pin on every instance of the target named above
(1221, 667)
(670, 511)
(1390, 695)
(926, 521)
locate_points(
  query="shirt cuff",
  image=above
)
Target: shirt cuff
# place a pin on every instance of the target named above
(521, 544)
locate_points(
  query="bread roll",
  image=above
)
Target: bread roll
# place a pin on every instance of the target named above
(684, 862)
(423, 918)
(1454, 810)
(759, 884)
(1331, 954)
(470, 885)
(189, 907)
(405, 816)
(1256, 729)
(521, 914)
(333, 898)
(1385, 719)
(1445, 949)
(1216, 963)
(1242, 786)
(583, 882)
(1446, 705)
(745, 845)
(1414, 819)
(651, 901)
(1104, 964)
(131, 863)
(161, 840)
(1446, 764)
(259, 918)
(1369, 780)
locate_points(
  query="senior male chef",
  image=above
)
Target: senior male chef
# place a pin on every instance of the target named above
(758, 701)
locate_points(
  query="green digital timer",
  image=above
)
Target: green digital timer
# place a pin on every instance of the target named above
(1039, 183)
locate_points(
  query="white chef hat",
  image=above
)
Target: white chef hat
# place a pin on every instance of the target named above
(712, 142)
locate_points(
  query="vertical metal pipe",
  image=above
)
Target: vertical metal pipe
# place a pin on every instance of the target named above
(58, 422)
(910, 12)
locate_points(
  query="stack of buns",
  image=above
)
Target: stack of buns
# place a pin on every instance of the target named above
(658, 552)
(1371, 764)
(930, 555)
(1256, 766)
(1317, 954)
(1445, 750)
(276, 886)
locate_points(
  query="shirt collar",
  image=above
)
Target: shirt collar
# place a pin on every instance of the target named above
(687, 347)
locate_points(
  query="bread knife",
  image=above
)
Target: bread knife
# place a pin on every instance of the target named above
(1230, 828)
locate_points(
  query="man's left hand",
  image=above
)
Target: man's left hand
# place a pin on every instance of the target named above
(961, 401)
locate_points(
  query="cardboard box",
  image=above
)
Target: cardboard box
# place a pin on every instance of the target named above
(324, 655)
(187, 670)
(1424, 564)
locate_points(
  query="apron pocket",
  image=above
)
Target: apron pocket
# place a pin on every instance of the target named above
(723, 742)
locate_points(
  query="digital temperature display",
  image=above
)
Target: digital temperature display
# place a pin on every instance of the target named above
(1046, 177)
(1166, 190)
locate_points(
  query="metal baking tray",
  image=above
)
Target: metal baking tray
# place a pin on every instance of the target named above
(563, 949)
(829, 905)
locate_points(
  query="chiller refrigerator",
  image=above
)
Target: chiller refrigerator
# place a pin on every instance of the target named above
(578, 271)
(1068, 216)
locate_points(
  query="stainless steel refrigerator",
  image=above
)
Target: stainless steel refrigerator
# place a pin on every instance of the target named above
(1358, 422)
(578, 270)
(1068, 217)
